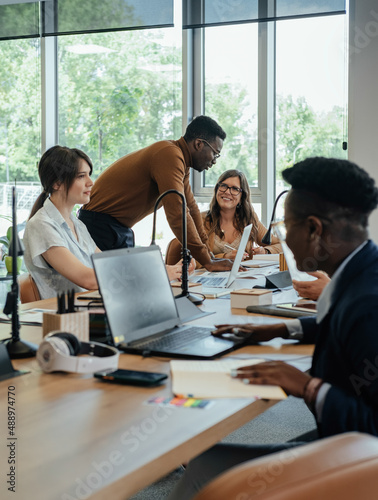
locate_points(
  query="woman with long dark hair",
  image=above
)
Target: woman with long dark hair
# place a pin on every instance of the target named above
(229, 212)
(58, 247)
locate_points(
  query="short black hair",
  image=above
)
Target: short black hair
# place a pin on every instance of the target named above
(338, 182)
(204, 127)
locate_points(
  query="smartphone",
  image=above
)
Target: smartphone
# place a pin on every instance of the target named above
(132, 377)
(300, 306)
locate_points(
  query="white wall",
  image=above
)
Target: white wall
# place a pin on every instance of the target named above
(363, 91)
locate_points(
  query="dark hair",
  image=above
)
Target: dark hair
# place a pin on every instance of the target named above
(330, 186)
(58, 164)
(244, 214)
(204, 127)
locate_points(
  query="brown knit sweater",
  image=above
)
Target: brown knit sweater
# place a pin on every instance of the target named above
(129, 188)
(274, 247)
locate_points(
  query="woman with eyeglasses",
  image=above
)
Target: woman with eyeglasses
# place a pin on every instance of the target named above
(229, 212)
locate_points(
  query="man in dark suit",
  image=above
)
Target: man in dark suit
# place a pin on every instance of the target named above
(326, 219)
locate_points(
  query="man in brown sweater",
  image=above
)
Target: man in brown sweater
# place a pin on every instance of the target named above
(126, 191)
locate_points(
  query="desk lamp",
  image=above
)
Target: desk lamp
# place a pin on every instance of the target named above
(267, 238)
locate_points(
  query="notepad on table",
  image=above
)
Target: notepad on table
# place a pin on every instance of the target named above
(212, 379)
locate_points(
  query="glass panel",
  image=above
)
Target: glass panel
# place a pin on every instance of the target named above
(20, 125)
(120, 92)
(71, 16)
(202, 13)
(19, 20)
(231, 96)
(311, 99)
(20, 131)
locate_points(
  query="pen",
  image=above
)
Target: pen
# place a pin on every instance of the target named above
(60, 303)
(70, 301)
(229, 246)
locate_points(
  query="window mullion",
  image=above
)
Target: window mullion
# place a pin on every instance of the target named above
(266, 119)
(49, 90)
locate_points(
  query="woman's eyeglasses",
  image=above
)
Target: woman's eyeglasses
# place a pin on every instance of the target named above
(222, 187)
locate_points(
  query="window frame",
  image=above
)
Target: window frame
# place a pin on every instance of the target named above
(265, 193)
(193, 45)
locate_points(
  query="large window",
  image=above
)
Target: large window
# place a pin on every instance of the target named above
(292, 100)
(280, 94)
(20, 125)
(231, 69)
(311, 93)
(119, 92)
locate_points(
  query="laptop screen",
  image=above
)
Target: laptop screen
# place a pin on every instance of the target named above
(137, 295)
(239, 254)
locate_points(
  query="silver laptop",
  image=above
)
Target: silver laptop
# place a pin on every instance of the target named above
(141, 309)
(228, 278)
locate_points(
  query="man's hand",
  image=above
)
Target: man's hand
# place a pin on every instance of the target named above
(312, 289)
(252, 333)
(292, 380)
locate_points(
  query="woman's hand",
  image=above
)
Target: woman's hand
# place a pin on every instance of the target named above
(292, 380)
(232, 254)
(252, 333)
(312, 289)
(175, 272)
(258, 250)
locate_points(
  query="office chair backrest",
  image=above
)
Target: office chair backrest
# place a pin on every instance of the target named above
(173, 252)
(28, 289)
(342, 467)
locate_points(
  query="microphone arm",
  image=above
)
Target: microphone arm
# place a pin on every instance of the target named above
(267, 238)
(186, 257)
(16, 347)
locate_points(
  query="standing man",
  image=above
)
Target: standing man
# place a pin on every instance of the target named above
(126, 192)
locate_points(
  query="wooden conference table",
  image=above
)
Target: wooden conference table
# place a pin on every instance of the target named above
(78, 437)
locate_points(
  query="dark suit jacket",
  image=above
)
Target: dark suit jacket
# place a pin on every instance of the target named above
(346, 352)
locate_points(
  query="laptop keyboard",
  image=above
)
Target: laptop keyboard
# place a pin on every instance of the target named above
(215, 282)
(176, 339)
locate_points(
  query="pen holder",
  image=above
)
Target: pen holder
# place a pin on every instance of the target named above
(76, 323)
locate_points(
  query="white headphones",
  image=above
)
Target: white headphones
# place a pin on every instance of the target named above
(59, 351)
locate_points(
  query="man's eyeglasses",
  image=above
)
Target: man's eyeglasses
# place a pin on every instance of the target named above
(280, 230)
(222, 187)
(216, 154)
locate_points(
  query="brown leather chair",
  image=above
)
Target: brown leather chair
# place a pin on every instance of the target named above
(28, 289)
(342, 467)
(173, 252)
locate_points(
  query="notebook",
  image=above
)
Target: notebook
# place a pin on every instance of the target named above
(227, 279)
(141, 309)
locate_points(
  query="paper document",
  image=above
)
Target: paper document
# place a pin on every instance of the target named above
(212, 379)
(29, 317)
(257, 263)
